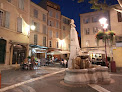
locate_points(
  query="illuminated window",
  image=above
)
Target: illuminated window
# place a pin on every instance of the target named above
(95, 30)
(87, 31)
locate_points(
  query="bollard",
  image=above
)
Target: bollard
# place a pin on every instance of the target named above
(113, 66)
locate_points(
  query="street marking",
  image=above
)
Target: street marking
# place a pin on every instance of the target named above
(28, 81)
(98, 88)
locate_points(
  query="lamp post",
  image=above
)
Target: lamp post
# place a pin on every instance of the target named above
(105, 26)
(33, 27)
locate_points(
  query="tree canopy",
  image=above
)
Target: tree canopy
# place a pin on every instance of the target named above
(102, 5)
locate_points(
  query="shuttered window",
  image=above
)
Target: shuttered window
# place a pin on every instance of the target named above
(57, 24)
(44, 17)
(7, 19)
(37, 26)
(35, 39)
(50, 43)
(56, 34)
(50, 34)
(21, 4)
(119, 16)
(1, 17)
(35, 13)
(44, 29)
(44, 41)
(19, 24)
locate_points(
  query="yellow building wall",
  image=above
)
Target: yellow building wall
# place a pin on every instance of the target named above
(117, 56)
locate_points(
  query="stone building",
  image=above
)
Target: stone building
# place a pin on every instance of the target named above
(17, 38)
(90, 25)
(116, 25)
(58, 27)
(65, 32)
(38, 36)
(14, 30)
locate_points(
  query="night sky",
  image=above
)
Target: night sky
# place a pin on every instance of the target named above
(72, 9)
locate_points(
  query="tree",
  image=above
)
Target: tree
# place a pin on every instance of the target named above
(99, 5)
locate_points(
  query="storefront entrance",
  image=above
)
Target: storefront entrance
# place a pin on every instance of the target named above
(2, 51)
(19, 54)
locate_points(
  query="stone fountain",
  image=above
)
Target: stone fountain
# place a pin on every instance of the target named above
(80, 71)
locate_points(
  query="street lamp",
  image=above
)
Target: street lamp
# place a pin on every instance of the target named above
(105, 26)
(33, 27)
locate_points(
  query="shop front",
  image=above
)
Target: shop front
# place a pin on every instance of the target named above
(2, 51)
(38, 51)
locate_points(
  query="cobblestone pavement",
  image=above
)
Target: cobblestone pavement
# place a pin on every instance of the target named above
(10, 77)
(53, 82)
(116, 83)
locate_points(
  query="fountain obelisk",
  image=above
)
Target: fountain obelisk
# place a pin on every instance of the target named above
(74, 44)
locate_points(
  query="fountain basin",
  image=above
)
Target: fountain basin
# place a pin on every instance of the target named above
(87, 76)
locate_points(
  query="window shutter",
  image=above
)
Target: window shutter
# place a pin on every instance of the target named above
(38, 27)
(32, 22)
(44, 41)
(19, 24)
(35, 39)
(21, 4)
(7, 19)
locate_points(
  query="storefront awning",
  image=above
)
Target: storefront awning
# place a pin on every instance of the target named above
(58, 52)
(96, 52)
(38, 46)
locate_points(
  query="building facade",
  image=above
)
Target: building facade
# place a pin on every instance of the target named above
(14, 30)
(19, 40)
(89, 23)
(116, 25)
(58, 27)
(65, 32)
(38, 35)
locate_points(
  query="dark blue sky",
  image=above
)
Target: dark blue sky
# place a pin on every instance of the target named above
(72, 9)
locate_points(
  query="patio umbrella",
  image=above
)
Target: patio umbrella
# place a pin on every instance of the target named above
(97, 52)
